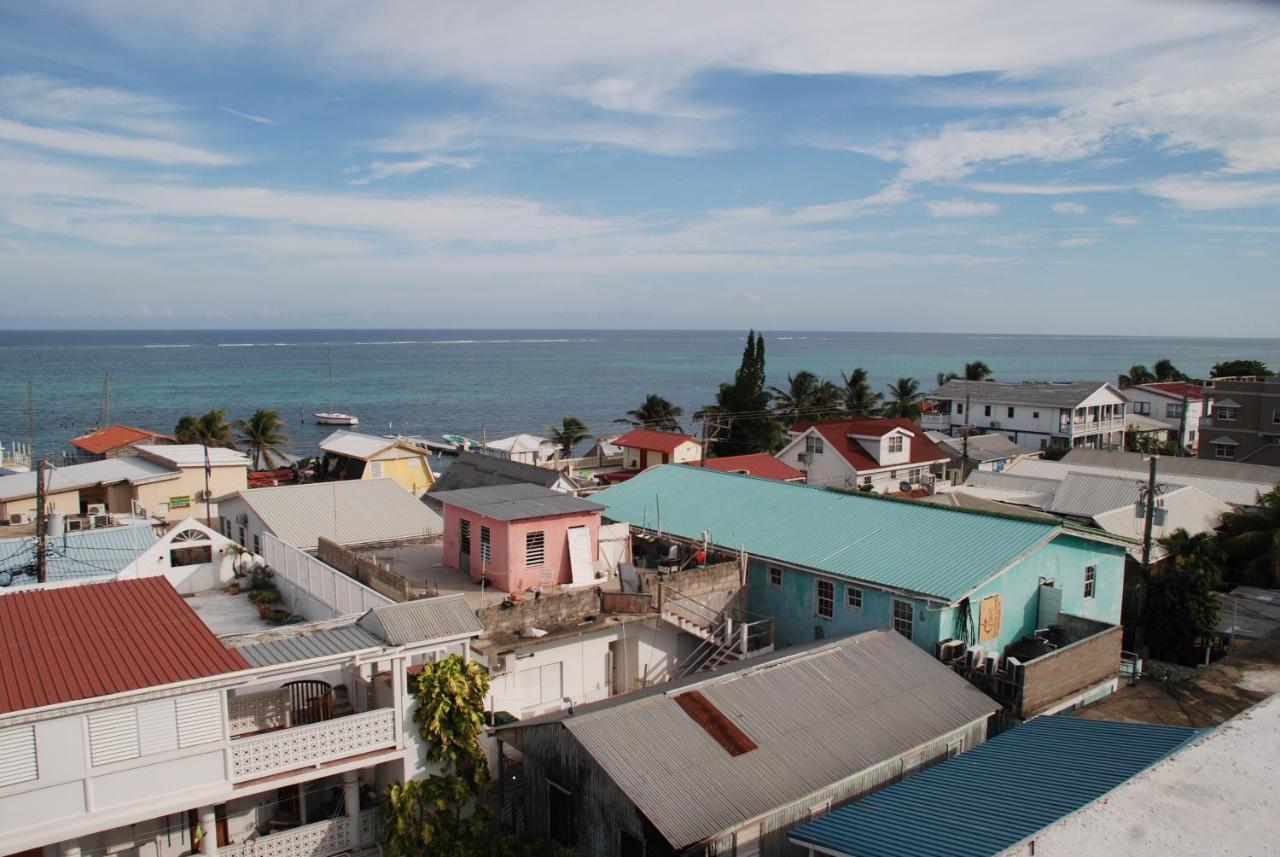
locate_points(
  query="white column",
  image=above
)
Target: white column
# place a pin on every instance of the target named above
(351, 796)
(209, 830)
(69, 848)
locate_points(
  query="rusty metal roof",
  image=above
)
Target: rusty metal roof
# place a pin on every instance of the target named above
(79, 642)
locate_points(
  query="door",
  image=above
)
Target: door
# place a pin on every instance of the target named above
(580, 563)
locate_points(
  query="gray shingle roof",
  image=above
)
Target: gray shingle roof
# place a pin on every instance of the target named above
(304, 646)
(1055, 394)
(516, 502)
(426, 619)
(356, 512)
(818, 714)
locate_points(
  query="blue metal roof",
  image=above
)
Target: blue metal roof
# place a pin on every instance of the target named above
(915, 547)
(985, 801)
(77, 555)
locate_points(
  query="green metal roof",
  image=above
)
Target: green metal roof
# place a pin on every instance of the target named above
(913, 547)
(987, 800)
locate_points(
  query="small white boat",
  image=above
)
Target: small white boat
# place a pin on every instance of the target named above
(334, 419)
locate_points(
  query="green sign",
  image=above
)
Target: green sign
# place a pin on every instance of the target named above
(179, 502)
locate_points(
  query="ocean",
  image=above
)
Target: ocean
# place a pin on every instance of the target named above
(496, 382)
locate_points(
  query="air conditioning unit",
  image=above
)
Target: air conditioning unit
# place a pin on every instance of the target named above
(950, 650)
(96, 509)
(242, 519)
(992, 663)
(96, 521)
(19, 518)
(974, 656)
(502, 663)
(75, 524)
(803, 458)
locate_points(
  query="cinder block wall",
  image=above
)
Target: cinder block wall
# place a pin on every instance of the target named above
(1070, 669)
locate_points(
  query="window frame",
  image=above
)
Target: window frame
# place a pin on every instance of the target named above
(896, 443)
(1173, 410)
(910, 620)
(774, 571)
(986, 410)
(464, 536)
(852, 594)
(486, 545)
(813, 444)
(539, 548)
(818, 584)
(569, 831)
(1090, 581)
(1220, 448)
(1275, 416)
(1226, 414)
(1011, 411)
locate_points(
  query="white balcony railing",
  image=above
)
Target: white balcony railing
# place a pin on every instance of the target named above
(313, 744)
(322, 839)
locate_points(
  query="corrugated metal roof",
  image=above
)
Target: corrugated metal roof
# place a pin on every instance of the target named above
(355, 512)
(652, 439)
(473, 470)
(129, 468)
(193, 454)
(1086, 494)
(998, 794)
(1228, 485)
(353, 444)
(985, 447)
(88, 553)
(817, 715)
(115, 436)
(1059, 394)
(1013, 482)
(516, 502)
(908, 546)
(304, 646)
(421, 621)
(78, 642)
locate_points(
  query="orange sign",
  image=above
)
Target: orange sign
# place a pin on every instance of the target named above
(989, 618)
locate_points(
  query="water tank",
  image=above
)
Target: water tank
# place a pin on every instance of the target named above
(55, 524)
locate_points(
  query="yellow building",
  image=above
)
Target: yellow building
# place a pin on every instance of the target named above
(351, 455)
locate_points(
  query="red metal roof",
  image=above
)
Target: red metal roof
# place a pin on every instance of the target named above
(658, 441)
(114, 437)
(836, 434)
(704, 712)
(1176, 389)
(760, 464)
(79, 642)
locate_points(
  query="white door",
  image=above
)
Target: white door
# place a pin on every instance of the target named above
(580, 556)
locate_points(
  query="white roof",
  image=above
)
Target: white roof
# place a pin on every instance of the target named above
(133, 469)
(192, 454)
(522, 443)
(353, 444)
(350, 513)
(1145, 423)
(1233, 491)
(1197, 801)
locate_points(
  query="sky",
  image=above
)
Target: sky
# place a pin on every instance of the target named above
(1090, 167)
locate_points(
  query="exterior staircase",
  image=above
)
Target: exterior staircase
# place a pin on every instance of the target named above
(727, 635)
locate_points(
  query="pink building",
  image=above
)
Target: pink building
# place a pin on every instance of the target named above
(521, 536)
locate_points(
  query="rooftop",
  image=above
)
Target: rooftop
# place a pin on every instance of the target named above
(131, 468)
(702, 755)
(193, 455)
(657, 441)
(986, 447)
(1029, 777)
(76, 642)
(1058, 394)
(760, 464)
(102, 552)
(840, 434)
(474, 470)
(291, 643)
(113, 437)
(516, 502)
(912, 547)
(353, 444)
(1253, 478)
(359, 511)
(427, 619)
(1175, 389)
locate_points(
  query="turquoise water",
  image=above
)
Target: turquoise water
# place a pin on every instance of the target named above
(496, 382)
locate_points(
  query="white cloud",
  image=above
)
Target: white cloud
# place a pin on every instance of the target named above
(1069, 208)
(379, 170)
(1016, 189)
(102, 145)
(1199, 193)
(47, 100)
(1079, 241)
(258, 120)
(961, 208)
(1123, 220)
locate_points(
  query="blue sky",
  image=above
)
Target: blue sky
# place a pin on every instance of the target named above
(1090, 167)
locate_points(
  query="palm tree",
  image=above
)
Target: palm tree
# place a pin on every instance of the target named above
(571, 432)
(1251, 540)
(1180, 603)
(210, 429)
(944, 377)
(806, 397)
(1138, 374)
(1166, 371)
(903, 399)
(859, 400)
(977, 371)
(263, 434)
(655, 413)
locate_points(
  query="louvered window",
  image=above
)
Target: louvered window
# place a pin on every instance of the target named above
(18, 756)
(534, 549)
(113, 736)
(199, 719)
(486, 553)
(375, 469)
(157, 727)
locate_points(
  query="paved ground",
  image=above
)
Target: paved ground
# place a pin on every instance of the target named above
(227, 614)
(1209, 697)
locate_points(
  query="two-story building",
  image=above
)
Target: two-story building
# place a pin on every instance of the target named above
(870, 453)
(127, 727)
(960, 584)
(1036, 414)
(352, 455)
(1243, 423)
(1179, 405)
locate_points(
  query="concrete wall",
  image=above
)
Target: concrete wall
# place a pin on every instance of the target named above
(155, 496)
(546, 612)
(1069, 670)
(365, 570)
(507, 567)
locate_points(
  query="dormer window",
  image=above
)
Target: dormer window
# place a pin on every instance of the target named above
(813, 444)
(895, 443)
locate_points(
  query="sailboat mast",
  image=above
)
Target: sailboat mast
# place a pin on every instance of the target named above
(106, 399)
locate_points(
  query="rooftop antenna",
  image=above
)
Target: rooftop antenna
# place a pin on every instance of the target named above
(106, 399)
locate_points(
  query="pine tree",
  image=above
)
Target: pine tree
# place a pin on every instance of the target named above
(742, 407)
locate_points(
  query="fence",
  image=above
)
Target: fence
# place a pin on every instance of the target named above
(312, 589)
(368, 572)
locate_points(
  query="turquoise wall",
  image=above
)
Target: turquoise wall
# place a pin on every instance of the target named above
(793, 604)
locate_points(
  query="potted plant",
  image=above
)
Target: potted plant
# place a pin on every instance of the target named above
(266, 600)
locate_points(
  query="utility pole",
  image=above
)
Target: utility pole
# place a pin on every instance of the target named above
(42, 557)
(106, 399)
(964, 456)
(31, 425)
(1149, 509)
(1182, 422)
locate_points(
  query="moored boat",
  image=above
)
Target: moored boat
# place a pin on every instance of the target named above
(325, 418)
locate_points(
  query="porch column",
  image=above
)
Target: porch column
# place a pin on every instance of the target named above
(351, 797)
(209, 831)
(69, 848)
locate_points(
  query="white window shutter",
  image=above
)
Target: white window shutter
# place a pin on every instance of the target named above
(199, 719)
(157, 727)
(113, 736)
(18, 756)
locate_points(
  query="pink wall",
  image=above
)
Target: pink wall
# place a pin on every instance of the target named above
(506, 568)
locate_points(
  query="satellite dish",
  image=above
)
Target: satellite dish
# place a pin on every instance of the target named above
(904, 486)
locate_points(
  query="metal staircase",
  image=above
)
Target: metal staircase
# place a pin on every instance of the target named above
(727, 636)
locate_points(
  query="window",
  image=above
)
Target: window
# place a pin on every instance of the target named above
(955, 748)
(486, 553)
(375, 469)
(1173, 411)
(959, 408)
(903, 613)
(1275, 416)
(1090, 580)
(241, 539)
(464, 536)
(1035, 415)
(18, 756)
(1224, 450)
(1010, 413)
(1143, 408)
(866, 480)
(1044, 443)
(813, 444)
(895, 443)
(257, 544)
(197, 555)
(825, 593)
(775, 577)
(853, 598)
(986, 410)
(226, 528)
(559, 815)
(1226, 414)
(534, 549)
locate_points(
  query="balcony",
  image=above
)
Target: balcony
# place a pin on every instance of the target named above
(321, 839)
(312, 744)
(935, 422)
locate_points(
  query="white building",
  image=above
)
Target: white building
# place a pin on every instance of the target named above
(1036, 414)
(523, 447)
(871, 453)
(1165, 403)
(127, 727)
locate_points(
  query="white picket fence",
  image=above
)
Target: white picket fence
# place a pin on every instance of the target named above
(312, 589)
